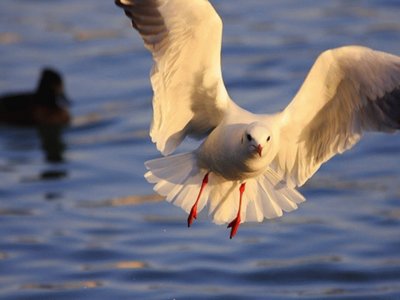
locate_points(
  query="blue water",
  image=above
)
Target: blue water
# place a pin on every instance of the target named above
(91, 227)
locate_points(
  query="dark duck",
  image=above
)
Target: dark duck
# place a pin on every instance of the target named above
(48, 105)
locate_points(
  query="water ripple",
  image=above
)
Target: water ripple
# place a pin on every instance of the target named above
(89, 226)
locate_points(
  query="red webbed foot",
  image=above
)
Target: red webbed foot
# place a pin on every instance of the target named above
(234, 225)
(192, 215)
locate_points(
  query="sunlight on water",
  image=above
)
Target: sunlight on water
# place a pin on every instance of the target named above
(79, 221)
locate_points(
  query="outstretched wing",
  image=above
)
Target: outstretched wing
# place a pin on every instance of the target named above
(184, 38)
(349, 90)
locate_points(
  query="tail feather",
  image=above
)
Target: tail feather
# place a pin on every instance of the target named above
(164, 187)
(270, 208)
(161, 167)
(254, 212)
(174, 192)
(179, 179)
(224, 199)
(187, 197)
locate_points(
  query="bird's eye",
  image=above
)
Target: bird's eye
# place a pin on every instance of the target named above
(248, 136)
(268, 138)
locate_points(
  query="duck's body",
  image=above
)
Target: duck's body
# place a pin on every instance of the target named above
(45, 106)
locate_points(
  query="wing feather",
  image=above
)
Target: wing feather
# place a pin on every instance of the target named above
(184, 38)
(348, 91)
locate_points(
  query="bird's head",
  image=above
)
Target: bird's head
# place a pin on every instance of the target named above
(257, 140)
(50, 91)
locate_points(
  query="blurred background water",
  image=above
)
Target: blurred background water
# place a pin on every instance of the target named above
(90, 227)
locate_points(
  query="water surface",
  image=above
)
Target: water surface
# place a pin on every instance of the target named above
(90, 227)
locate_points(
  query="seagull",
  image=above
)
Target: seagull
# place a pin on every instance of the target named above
(249, 166)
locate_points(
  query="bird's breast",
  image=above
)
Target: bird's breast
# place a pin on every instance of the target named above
(223, 154)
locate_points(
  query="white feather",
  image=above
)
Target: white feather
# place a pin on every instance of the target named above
(221, 195)
(184, 38)
(348, 91)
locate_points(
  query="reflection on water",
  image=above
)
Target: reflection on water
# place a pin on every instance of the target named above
(62, 286)
(16, 212)
(53, 174)
(123, 201)
(52, 142)
(118, 265)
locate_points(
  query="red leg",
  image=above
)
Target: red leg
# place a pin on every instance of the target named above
(234, 225)
(193, 211)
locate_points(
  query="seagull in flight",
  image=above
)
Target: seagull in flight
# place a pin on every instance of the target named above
(248, 165)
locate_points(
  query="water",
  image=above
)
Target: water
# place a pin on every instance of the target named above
(91, 228)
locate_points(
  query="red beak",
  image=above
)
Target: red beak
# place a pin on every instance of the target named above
(259, 150)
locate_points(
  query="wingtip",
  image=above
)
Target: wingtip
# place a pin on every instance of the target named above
(118, 3)
(164, 149)
(123, 3)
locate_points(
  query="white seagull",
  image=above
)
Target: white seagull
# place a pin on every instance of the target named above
(249, 165)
